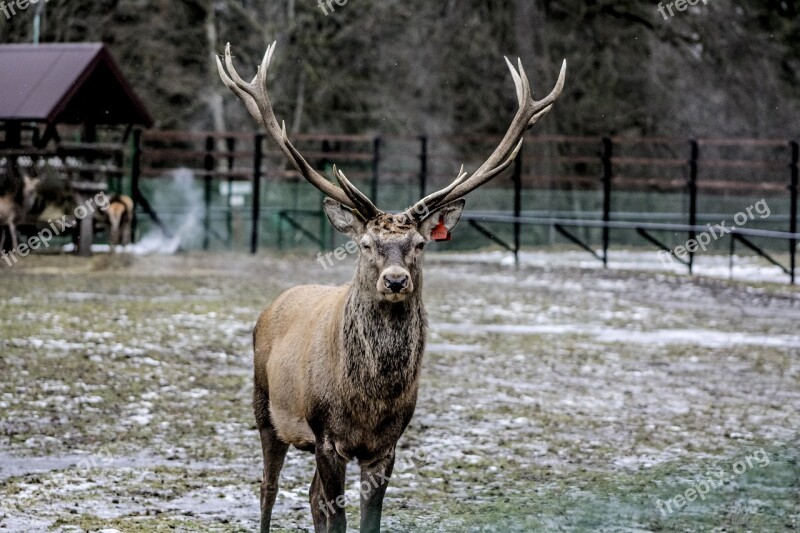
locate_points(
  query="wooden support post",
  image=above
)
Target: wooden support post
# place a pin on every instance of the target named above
(84, 193)
(516, 177)
(608, 152)
(423, 165)
(693, 157)
(209, 167)
(793, 166)
(376, 159)
(85, 235)
(136, 173)
(230, 146)
(258, 156)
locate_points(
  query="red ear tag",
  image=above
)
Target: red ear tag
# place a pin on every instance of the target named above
(440, 232)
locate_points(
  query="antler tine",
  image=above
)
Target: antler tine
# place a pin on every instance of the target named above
(245, 97)
(261, 75)
(556, 92)
(529, 112)
(423, 206)
(517, 82)
(539, 115)
(505, 164)
(232, 70)
(363, 204)
(256, 99)
(526, 85)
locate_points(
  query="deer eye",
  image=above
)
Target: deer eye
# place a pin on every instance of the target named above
(420, 246)
(366, 247)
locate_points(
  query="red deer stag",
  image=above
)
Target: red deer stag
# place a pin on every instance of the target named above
(337, 368)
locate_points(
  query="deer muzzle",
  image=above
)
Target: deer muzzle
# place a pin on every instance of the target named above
(395, 283)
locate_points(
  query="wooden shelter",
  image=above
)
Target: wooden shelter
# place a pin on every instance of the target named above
(55, 99)
(52, 84)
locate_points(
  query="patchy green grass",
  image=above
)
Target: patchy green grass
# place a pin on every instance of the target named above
(552, 399)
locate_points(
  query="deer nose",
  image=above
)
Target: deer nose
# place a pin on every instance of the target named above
(395, 282)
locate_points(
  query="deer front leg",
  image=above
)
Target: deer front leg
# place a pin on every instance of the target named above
(374, 481)
(320, 507)
(330, 486)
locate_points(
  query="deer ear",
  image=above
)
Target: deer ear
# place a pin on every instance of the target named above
(448, 215)
(343, 218)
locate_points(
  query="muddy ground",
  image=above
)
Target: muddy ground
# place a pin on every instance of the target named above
(552, 399)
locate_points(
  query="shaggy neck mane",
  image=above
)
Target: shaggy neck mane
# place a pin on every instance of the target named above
(383, 341)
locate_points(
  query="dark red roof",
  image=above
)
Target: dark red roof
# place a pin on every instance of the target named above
(66, 83)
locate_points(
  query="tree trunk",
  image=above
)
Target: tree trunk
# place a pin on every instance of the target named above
(534, 48)
(214, 96)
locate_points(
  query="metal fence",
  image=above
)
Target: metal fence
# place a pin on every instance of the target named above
(591, 192)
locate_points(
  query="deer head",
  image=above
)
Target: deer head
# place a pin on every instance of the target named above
(391, 244)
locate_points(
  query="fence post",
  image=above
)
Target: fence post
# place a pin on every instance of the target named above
(230, 145)
(376, 158)
(423, 165)
(516, 177)
(136, 172)
(693, 157)
(258, 155)
(119, 164)
(608, 152)
(793, 166)
(209, 167)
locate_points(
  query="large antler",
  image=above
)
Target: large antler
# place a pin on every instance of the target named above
(530, 111)
(256, 99)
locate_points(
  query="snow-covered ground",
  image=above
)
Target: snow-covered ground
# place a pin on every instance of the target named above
(557, 397)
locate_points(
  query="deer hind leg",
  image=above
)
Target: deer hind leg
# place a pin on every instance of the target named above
(126, 232)
(113, 237)
(12, 229)
(374, 481)
(274, 451)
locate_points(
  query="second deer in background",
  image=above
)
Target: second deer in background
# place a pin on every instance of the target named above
(120, 220)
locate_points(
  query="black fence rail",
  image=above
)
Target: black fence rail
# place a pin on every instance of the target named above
(242, 157)
(398, 170)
